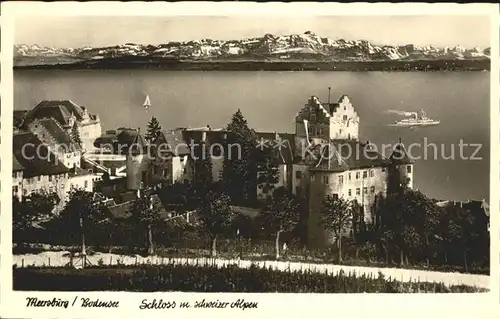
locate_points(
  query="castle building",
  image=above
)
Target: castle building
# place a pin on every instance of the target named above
(326, 157)
(67, 114)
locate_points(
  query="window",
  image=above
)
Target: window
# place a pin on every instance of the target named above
(341, 179)
(50, 178)
(349, 176)
(313, 116)
(344, 117)
(86, 184)
(14, 175)
(358, 191)
(349, 192)
(15, 189)
(335, 196)
(383, 170)
(372, 189)
(372, 173)
(39, 178)
(357, 175)
(364, 174)
(313, 178)
(320, 131)
(51, 189)
(298, 174)
(408, 169)
(365, 190)
(325, 180)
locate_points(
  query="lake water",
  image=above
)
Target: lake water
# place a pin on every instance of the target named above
(270, 101)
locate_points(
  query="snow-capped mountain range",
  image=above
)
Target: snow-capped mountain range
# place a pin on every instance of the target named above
(306, 46)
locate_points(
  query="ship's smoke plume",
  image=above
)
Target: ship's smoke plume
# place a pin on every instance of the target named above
(403, 113)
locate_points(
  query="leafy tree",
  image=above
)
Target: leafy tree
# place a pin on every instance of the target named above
(37, 207)
(357, 224)
(146, 212)
(153, 130)
(462, 231)
(215, 214)
(281, 214)
(82, 214)
(336, 216)
(75, 135)
(239, 169)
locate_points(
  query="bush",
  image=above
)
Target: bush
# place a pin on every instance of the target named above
(208, 278)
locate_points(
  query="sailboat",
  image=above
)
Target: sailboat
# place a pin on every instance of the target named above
(147, 103)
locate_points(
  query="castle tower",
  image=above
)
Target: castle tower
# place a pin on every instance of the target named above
(319, 122)
(137, 163)
(401, 168)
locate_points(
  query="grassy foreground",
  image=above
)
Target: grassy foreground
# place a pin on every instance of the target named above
(192, 278)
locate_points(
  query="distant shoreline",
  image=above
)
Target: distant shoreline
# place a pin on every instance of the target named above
(353, 66)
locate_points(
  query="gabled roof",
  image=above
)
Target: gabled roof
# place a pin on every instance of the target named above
(322, 110)
(172, 141)
(16, 166)
(31, 153)
(139, 145)
(400, 155)
(58, 133)
(60, 110)
(19, 117)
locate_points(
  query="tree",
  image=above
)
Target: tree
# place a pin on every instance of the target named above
(462, 231)
(37, 207)
(146, 212)
(202, 164)
(153, 130)
(240, 170)
(81, 215)
(281, 214)
(357, 224)
(336, 216)
(267, 167)
(75, 135)
(215, 214)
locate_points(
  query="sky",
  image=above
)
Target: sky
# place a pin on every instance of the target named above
(80, 31)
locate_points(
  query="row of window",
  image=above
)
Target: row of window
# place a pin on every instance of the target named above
(358, 191)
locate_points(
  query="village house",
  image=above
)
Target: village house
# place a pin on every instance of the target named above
(37, 169)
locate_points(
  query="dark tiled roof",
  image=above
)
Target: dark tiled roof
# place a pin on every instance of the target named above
(16, 166)
(57, 132)
(172, 142)
(77, 171)
(19, 117)
(347, 155)
(35, 156)
(399, 155)
(283, 143)
(60, 110)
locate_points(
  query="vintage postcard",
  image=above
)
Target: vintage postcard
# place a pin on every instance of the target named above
(247, 159)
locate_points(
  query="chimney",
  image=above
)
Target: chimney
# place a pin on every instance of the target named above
(329, 93)
(209, 128)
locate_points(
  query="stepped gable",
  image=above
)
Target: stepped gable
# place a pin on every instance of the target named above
(345, 155)
(60, 110)
(25, 148)
(399, 155)
(323, 111)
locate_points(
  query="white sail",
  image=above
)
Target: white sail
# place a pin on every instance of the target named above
(147, 103)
